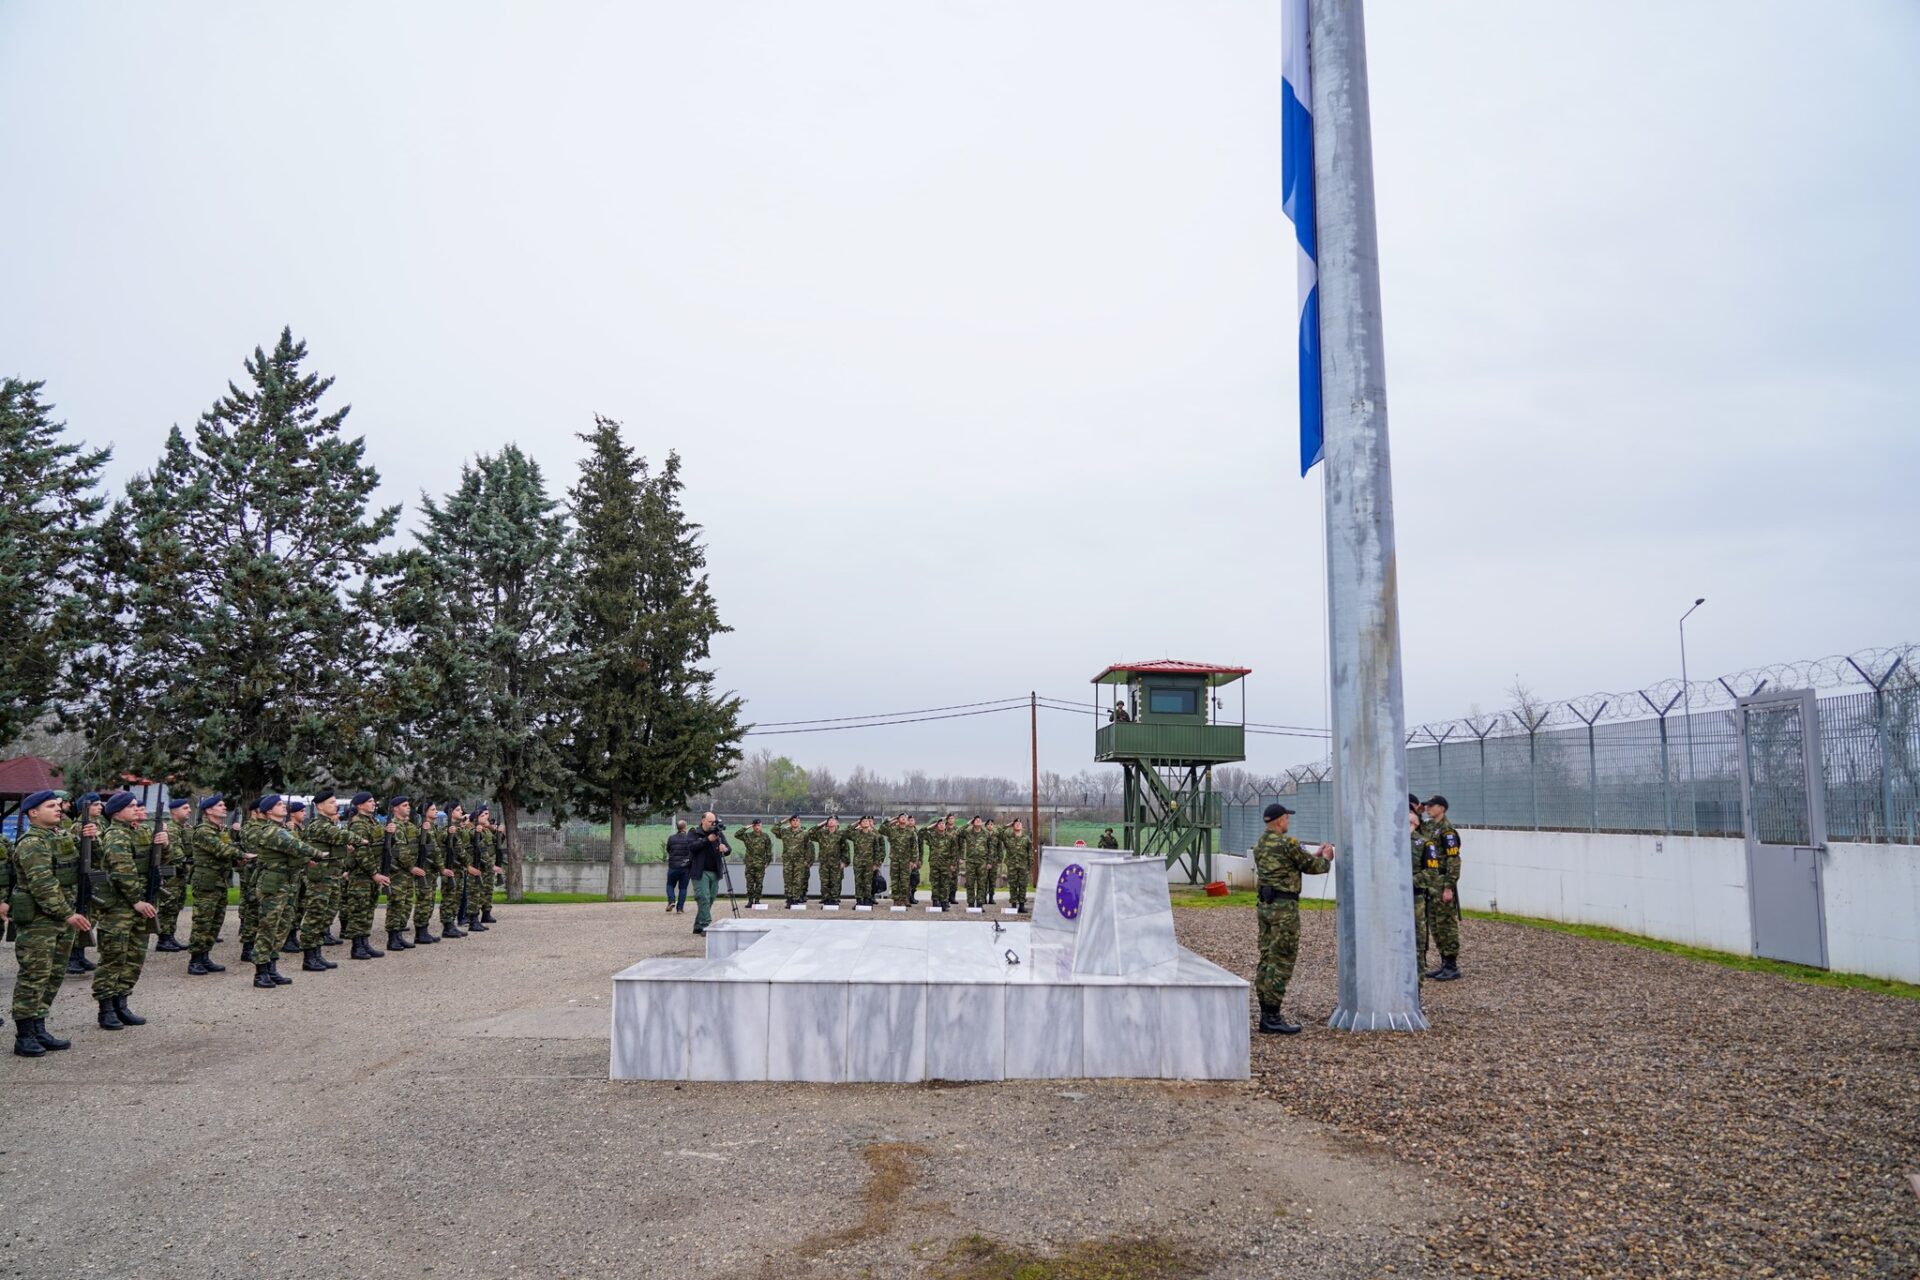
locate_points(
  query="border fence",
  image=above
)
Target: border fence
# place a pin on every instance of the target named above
(1649, 761)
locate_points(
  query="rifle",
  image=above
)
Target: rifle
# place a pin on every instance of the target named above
(386, 853)
(83, 888)
(153, 861)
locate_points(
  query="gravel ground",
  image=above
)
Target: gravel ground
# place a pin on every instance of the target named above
(1606, 1110)
(447, 1111)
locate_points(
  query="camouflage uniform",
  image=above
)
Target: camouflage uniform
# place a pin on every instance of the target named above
(759, 846)
(364, 838)
(833, 859)
(1443, 918)
(939, 842)
(866, 857)
(1108, 840)
(321, 884)
(1016, 856)
(486, 851)
(433, 856)
(176, 871)
(903, 859)
(796, 858)
(282, 857)
(46, 876)
(1281, 862)
(121, 930)
(977, 850)
(405, 886)
(1426, 890)
(213, 855)
(249, 887)
(456, 852)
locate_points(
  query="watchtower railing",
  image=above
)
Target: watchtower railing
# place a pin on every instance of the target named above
(1201, 743)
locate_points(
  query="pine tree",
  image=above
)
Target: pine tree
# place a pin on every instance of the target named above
(48, 562)
(488, 601)
(248, 597)
(648, 731)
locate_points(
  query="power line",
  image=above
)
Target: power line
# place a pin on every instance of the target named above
(879, 724)
(888, 715)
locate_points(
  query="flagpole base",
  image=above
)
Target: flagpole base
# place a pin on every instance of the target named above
(1369, 1020)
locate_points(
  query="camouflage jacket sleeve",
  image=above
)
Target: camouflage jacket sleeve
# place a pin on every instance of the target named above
(121, 862)
(331, 838)
(210, 847)
(1448, 842)
(33, 872)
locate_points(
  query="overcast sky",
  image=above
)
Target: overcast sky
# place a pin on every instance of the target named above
(974, 322)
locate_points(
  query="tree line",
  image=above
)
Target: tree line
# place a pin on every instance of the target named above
(246, 616)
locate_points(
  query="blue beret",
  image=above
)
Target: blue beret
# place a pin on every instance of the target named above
(116, 802)
(482, 809)
(267, 801)
(361, 797)
(37, 798)
(179, 802)
(397, 801)
(296, 806)
(207, 802)
(323, 797)
(89, 797)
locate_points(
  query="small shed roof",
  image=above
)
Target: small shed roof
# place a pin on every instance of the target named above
(24, 775)
(1120, 672)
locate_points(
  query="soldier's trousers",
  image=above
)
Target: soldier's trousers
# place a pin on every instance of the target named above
(173, 900)
(863, 878)
(423, 898)
(942, 869)
(296, 905)
(1421, 906)
(209, 907)
(1017, 880)
(1443, 922)
(41, 949)
(316, 904)
(832, 872)
(794, 876)
(123, 951)
(900, 878)
(275, 889)
(979, 881)
(250, 902)
(400, 896)
(756, 877)
(1279, 944)
(336, 896)
(480, 894)
(452, 897)
(356, 906)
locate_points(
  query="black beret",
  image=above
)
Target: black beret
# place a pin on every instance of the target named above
(1437, 799)
(207, 802)
(116, 802)
(296, 806)
(89, 797)
(361, 797)
(179, 802)
(1273, 811)
(397, 801)
(267, 801)
(323, 797)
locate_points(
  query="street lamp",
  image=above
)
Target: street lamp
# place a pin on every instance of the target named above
(1686, 693)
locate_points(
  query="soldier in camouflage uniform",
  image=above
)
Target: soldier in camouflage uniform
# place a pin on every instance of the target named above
(213, 854)
(865, 845)
(976, 852)
(44, 871)
(249, 866)
(1016, 856)
(365, 836)
(1426, 887)
(1443, 910)
(456, 866)
(176, 875)
(759, 847)
(941, 861)
(403, 837)
(903, 859)
(487, 851)
(830, 844)
(297, 904)
(283, 857)
(84, 811)
(121, 917)
(323, 831)
(433, 856)
(796, 860)
(1280, 861)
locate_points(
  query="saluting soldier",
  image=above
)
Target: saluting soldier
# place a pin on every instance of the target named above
(796, 860)
(865, 844)
(1280, 861)
(320, 883)
(174, 876)
(456, 852)
(903, 859)
(1443, 914)
(403, 888)
(759, 847)
(975, 852)
(213, 856)
(365, 836)
(939, 842)
(45, 875)
(830, 844)
(433, 855)
(121, 919)
(1016, 856)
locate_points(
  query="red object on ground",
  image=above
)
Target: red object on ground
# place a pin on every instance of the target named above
(1217, 889)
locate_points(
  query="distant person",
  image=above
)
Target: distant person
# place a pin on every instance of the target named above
(1281, 861)
(1120, 715)
(1107, 840)
(707, 861)
(795, 860)
(1443, 909)
(679, 864)
(759, 853)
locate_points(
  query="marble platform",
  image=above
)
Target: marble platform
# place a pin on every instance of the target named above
(1093, 986)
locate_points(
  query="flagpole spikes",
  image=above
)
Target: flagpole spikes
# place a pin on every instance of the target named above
(1379, 981)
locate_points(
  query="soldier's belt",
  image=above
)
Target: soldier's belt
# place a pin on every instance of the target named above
(99, 879)
(1270, 894)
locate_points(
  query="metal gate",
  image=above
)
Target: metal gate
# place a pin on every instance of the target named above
(1783, 796)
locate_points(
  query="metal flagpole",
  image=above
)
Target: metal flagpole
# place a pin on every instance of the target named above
(1379, 984)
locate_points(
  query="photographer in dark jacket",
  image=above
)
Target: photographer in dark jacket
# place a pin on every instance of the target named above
(679, 860)
(708, 862)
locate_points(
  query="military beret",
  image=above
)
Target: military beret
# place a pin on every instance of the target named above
(1273, 811)
(361, 797)
(482, 809)
(180, 802)
(323, 797)
(1439, 801)
(1413, 800)
(397, 801)
(793, 817)
(89, 797)
(207, 802)
(37, 798)
(267, 801)
(296, 806)
(116, 802)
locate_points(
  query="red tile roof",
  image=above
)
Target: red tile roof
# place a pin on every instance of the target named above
(1119, 671)
(24, 775)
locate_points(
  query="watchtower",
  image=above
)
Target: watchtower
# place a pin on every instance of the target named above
(1163, 729)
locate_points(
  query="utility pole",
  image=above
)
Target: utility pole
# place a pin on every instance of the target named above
(1686, 695)
(1033, 828)
(1379, 981)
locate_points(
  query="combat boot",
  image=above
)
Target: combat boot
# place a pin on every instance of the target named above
(47, 1039)
(263, 979)
(450, 930)
(273, 971)
(168, 943)
(486, 917)
(292, 944)
(128, 1018)
(361, 951)
(1274, 1023)
(202, 963)
(246, 953)
(25, 1043)
(329, 938)
(394, 941)
(109, 1018)
(1449, 970)
(76, 963)
(424, 937)
(474, 926)
(310, 961)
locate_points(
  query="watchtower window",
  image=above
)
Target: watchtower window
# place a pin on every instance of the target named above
(1173, 702)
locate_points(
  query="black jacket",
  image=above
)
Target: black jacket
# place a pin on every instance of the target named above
(679, 849)
(710, 850)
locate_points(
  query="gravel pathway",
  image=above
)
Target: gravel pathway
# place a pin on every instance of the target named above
(1607, 1110)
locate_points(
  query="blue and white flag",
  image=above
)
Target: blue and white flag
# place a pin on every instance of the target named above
(1296, 180)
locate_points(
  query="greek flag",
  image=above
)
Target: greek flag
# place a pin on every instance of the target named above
(1296, 180)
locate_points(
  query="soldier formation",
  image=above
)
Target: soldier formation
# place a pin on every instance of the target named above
(982, 850)
(100, 869)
